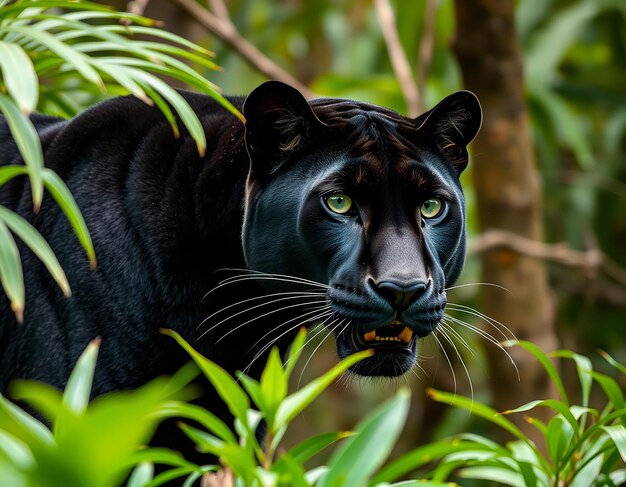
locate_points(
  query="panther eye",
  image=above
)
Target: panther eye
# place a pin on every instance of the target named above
(431, 208)
(339, 203)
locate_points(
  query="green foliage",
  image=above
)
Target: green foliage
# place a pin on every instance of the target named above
(98, 443)
(583, 446)
(93, 443)
(49, 61)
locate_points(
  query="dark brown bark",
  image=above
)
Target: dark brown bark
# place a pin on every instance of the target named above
(508, 192)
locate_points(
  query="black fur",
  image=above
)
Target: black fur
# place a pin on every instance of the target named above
(164, 221)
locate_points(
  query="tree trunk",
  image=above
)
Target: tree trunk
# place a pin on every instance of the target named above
(508, 193)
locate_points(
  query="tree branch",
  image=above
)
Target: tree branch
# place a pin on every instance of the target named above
(219, 24)
(589, 261)
(397, 56)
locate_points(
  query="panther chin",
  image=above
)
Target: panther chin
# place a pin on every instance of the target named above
(394, 345)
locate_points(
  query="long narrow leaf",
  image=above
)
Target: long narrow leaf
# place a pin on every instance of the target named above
(62, 195)
(19, 76)
(9, 172)
(545, 362)
(27, 142)
(11, 272)
(33, 239)
(78, 388)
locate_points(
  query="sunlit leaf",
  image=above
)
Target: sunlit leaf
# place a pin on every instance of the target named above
(19, 76)
(31, 237)
(27, 142)
(361, 455)
(63, 197)
(11, 272)
(78, 388)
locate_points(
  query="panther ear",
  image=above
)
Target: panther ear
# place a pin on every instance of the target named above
(454, 122)
(278, 120)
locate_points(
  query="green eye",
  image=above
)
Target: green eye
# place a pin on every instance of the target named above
(431, 208)
(339, 203)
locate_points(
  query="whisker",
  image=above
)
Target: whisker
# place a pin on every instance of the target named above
(444, 331)
(284, 297)
(491, 321)
(450, 329)
(324, 314)
(490, 284)
(487, 337)
(445, 354)
(232, 330)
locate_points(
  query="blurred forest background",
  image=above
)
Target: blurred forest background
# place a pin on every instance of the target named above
(546, 186)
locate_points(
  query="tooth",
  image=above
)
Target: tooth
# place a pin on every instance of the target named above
(370, 335)
(406, 334)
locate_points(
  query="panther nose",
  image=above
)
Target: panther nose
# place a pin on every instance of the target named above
(401, 295)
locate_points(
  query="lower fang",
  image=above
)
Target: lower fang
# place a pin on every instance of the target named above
(370, 336)
(406, 335)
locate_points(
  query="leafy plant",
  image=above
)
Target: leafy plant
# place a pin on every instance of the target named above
(50, 61)
(584, 446)
(93, 444)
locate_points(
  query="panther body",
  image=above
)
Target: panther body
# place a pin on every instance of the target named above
(334, 212)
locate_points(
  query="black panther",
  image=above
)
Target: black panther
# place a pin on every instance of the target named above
(330, 212)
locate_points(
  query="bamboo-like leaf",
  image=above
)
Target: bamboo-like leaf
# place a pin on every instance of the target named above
(356, 459)
(617, 432)
(19, 424)
(66, 202)
(75, 58)
(186, 114)
(33, 239)
(16, 451)
(481, 410)
(11, 272)
(27, 142)
(9, 172)
(296, 402)
(545, 362)
(142, 474)
(621, 368)
(19, 76)
(199, 414)
(584, 370)
(224, 384)
(611, 388)
(78, 388)
(294, 351)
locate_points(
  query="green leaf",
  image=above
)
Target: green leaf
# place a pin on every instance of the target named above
(501, 475)
(142, 474)
(588, 475)
(273, 384)
(559, 437)
(362, 454)
(424, 455)
(65, 200)
(224, 384)
(611, 388)
(557, 406)
(199, 414)
(27, 142)
(545, 362)
(48, 41)
(306, 449)
(295, 350)
(44, 398)
(9, 172)
(23, 426)
(78, 388)
(31, 237)
(481, 410)
(11, 272)
(253, 388)
(16, 451)
(296, 402)
(584, 370)
(19, 76)
(621, 368)
(617, 432)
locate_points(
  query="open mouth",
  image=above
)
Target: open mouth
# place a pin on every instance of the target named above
(396, 332)
(395, 347)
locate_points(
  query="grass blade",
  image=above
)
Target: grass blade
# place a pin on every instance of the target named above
(19, 76)
(62, 195)
(33, 239)
(11, 272)
(27, 142)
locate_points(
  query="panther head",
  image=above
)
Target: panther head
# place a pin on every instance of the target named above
(365, 202)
